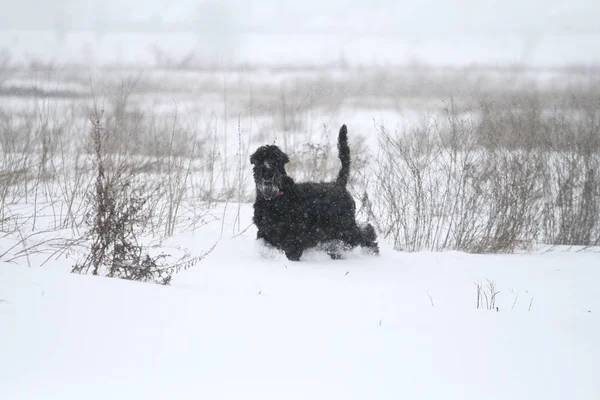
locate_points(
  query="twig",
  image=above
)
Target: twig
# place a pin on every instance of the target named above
(242, 232)
(239, 176)
(515, 302)
(430, 299)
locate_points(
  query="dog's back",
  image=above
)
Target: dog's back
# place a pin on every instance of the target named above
(325, 203)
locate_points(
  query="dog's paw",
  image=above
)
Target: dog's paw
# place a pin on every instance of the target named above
(293, 254)
(370, 251)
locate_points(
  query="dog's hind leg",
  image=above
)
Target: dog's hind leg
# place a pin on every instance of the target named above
(368, 239)
(363, 236)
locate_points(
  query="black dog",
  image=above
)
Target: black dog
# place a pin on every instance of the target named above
(296, 216)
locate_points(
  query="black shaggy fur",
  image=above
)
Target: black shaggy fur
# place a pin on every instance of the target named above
(294, 217)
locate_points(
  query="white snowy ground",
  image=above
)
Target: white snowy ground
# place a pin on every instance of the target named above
(245, 324)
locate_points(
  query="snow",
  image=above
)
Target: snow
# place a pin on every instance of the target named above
(245, 323)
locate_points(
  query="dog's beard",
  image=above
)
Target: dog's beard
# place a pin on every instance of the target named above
(268, 191)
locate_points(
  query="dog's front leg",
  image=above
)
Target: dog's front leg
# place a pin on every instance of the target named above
(293, 253)
(260, 235)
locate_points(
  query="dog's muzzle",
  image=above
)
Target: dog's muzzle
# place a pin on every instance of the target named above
(268, 190)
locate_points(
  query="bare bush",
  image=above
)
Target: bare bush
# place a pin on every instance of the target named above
(17, 161)
(438, 190)
(573, 210)
(177, 171)
(183, 161)
(486, 182)
(117, 216)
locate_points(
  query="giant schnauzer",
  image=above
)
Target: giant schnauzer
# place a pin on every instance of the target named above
(294, 217)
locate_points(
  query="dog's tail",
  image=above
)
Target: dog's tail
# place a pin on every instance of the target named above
(344, 156)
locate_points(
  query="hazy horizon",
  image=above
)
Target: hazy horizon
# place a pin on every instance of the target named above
(377, 31)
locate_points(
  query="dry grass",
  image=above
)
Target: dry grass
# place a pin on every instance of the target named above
(506, 164)
(498, 179)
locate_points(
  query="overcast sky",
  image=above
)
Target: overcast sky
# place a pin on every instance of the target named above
(462, 31)
(426, 17)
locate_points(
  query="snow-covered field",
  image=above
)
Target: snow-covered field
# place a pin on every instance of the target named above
(244, 322)
(248, 324)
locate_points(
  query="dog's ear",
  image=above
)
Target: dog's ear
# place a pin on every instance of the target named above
(258, 154)
(280, 156)
(283, 157)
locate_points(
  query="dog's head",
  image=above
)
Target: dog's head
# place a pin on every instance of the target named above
(269, 171)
